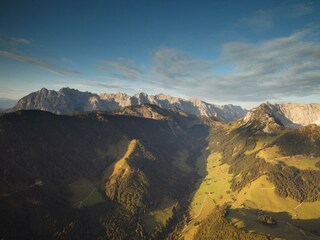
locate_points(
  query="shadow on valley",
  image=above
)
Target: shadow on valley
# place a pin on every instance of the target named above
(275, 224)
(198, 143)
(73, 157)
(197, 159)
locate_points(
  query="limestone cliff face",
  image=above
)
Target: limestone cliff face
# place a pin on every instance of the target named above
(290, 115)
(302, 114)
(62, 102)
(68, 100)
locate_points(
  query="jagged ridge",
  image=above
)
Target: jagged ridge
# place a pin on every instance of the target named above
(68, 100)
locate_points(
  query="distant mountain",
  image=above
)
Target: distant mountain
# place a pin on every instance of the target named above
(68, 100)
(271, 116)
(6, 103)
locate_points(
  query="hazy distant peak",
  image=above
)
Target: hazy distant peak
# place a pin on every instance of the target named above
(6, 103)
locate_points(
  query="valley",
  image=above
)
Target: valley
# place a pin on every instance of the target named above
(169, 176)
(160, 120)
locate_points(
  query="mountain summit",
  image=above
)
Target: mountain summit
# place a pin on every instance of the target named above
(290, 115)
(68, 100)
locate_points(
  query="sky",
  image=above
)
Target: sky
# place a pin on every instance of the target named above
(239, 52)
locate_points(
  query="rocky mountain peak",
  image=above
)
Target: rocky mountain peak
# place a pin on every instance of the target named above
(43, 91)
(263, 117)
(288, 115)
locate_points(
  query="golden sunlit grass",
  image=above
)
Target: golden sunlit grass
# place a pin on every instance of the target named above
(213, 189)
(262, 142)
(272, 155)
(121, 164)
(301, 162)
(260, 194)
(269, 154)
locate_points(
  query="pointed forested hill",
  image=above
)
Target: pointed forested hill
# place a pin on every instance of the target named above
(57, 171)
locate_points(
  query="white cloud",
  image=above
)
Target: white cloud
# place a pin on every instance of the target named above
(175, 65)
(121, 69)
(112, 86)
(39, 63)
(273, 69)
(261, 20)
(13, 41)
(288, 66)
(301, 9)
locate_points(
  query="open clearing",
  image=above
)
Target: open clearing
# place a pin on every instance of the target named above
(159, 215)
(84, 193)
(261, 195)
(262, 142)
(272, 155)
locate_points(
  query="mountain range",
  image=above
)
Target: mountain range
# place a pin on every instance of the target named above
(68, 100)
(6, 103)
(144, 171)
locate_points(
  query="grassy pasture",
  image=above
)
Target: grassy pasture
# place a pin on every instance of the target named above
(180, 161)
(84, 193)
(260, 195)
(262, 142)
(272, 155)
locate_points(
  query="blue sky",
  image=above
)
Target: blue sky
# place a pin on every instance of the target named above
(241, 52)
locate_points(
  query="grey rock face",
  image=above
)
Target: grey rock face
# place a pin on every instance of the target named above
(302, 114)
(292, 115)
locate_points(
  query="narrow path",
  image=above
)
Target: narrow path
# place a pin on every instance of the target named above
(297, 229)
(204, 199)
(19, 191)
(87, 197)
(298, 206)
